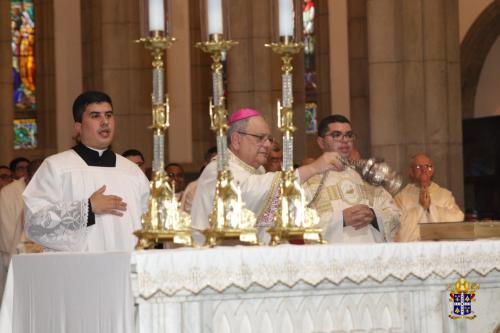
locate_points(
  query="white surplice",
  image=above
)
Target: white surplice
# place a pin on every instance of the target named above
(11, 224)
(259, 191)
(443, 208)
(345, 189)
(188, 196)
(11, 218)
(57, 208)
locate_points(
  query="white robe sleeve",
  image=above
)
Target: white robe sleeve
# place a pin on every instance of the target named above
(443, 208)
(387, 213)
(52, 219)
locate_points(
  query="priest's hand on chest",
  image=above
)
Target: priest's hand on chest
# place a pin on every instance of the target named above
(358, 216)
(107, 204)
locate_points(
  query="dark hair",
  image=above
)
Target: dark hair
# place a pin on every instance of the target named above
(174, 165)
(132, 152)
(86, 98)
(33, 166)
(211, 151)
(13, 164)
(335, 118)
(4, 167)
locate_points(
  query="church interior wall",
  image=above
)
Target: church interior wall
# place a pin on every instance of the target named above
(387, 121)
(487, 101)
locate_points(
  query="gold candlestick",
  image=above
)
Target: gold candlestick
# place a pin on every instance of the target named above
(229, 218)
(293, 219)
(163, 221)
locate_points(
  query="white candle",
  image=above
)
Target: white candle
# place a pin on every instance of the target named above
(214, 16)
(286, 17)
(156, 15)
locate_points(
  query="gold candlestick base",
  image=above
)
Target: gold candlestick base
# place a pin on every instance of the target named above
(164, 221)
(229, 219)
(293, 219)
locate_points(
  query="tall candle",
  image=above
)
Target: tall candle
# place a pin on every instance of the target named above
(214, 16)
(286, 17)
(156, 15)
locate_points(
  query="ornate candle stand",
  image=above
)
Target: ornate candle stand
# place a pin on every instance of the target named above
(228, 219)
(293, 219)
(163, 221)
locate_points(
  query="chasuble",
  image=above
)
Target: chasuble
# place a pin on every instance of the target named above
(443, 208)
(340, 190)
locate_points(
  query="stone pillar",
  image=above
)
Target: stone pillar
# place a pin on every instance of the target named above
(415, 85)
(339, 58)
(254, 71)
(113, 63)
(68, 67)
(358, 75)
(178, 64)
(6, 100)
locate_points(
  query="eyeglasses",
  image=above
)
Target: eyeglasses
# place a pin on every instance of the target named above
(175, 175)
(338, 136)
(260, 138)
(423, 167)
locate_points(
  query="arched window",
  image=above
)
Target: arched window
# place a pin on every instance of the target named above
(23, 72)
(310, 75)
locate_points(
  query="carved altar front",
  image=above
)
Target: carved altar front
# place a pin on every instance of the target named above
(315, 288)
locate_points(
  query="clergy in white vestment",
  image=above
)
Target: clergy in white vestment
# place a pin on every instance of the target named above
(12, 237)
(350, 209)
(249, 142)
(189, 192)
(424, 201)
(87, 198)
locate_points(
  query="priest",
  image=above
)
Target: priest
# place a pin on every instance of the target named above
(350, 209)
(249, 142)
(87, 198)
(424, 201)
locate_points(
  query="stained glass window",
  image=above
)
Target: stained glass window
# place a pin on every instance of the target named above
(25, 133)
(23, 71)
(310, 76)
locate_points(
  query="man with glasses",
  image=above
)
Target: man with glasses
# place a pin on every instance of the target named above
(424, 201)
(275, 158)
(350, 210)
(249, 142)
(176, 174)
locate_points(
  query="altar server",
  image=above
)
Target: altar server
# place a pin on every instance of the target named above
(350, 209)
(87, 198)
(424, 201)
(249, 142)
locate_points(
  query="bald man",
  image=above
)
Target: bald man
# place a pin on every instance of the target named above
(424, 201)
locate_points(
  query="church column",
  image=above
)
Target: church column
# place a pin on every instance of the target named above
(68, 67)
(339, 58)
(254, 71)
(178, 64)
(414, 85)
(6, 100)
(113, 63)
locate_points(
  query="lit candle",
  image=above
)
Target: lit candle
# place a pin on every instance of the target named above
(156, 15)
(286, 17)
(214, 17)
